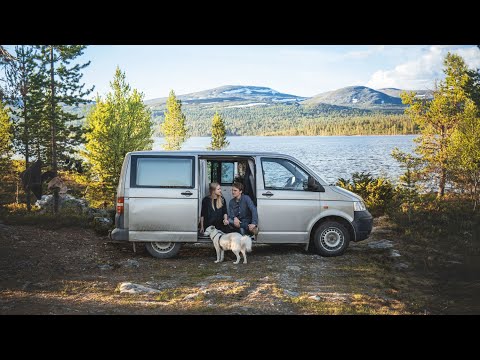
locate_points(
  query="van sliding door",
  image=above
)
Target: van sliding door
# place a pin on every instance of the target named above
(163, 200)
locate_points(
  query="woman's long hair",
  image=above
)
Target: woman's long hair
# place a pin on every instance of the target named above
(212, 188)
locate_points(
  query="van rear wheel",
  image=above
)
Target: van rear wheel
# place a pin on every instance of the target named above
(331, 239)
(163, 250)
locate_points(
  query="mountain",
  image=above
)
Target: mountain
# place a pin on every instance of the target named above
(233, 94)
(394, 92)
(254, 110)
(355, 96)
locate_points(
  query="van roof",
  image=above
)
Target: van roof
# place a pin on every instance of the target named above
(206, 152)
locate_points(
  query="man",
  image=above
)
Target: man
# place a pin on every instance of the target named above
(242, 213)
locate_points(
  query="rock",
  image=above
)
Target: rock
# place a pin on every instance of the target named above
(394, 253)
(291, 293)
(102, 225)
(293, 268)
(380, 244)
(130, 288)
(66, 203)
(400, 266)
(315, 297)
(220, 277)
(190, 296)
(105, 267)
(381, 231)
(454, 262)
(203, 284)
(132, 263)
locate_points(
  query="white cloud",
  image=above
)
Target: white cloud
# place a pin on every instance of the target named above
(421, 73)
(361, 54)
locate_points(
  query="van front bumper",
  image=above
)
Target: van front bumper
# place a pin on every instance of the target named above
(119, 234)
(363, 223)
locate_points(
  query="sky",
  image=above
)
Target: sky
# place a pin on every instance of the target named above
(298, 70)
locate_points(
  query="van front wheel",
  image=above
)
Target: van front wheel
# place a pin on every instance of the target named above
(163, 250)
(331, 239)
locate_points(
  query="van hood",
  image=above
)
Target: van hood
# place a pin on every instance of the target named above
(348, 194)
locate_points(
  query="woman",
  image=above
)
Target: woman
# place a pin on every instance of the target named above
(214, 209)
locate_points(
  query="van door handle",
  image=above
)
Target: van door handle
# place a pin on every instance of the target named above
(268, 193)
(188, 193)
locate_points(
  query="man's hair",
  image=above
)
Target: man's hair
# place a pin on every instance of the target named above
(238, 185)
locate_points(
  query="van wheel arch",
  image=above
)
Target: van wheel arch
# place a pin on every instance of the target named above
(338, 219)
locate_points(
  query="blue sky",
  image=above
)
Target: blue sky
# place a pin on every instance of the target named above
(299, 70)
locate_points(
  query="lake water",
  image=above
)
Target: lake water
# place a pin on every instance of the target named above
(331, 156)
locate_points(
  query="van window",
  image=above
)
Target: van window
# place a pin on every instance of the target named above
(221, 172)
(163, 172)
(227, 173)
(281, 174)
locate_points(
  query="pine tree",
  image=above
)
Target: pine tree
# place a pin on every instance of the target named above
(219, 139)
(24, 85)
(5, 138)
(174, 127)
(6, 152)
(119, 124)
(63, 88)
(439, 118)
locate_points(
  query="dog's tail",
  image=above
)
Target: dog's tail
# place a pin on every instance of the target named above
(247, 241)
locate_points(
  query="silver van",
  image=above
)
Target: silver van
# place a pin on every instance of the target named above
(160, 193)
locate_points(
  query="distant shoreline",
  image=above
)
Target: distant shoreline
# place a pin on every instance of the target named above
(161, 137)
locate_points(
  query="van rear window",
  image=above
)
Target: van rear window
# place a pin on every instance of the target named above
(163, 172)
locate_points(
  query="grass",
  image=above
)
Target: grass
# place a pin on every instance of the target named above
(357, 304)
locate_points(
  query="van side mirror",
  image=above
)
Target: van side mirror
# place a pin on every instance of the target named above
(313, 185)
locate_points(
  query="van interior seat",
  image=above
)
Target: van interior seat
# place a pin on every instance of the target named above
(227, 193)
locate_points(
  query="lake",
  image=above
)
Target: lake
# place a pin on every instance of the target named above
(331, 156)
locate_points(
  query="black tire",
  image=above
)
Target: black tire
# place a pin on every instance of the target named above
(163, 250)
(331, 239)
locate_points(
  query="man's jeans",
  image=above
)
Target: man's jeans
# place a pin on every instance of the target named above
(242, 230)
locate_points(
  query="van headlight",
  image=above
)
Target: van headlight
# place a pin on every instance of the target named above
(359, 206)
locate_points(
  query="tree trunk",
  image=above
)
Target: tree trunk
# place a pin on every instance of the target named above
(27, 149)
(441, 186)
(475, 195)
(53, 129)
(16, 195)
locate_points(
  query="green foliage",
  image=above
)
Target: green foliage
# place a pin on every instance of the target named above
(464, 150)
(449, 222)
(5, 138)
(20, 216)
(7, 171)
(376, 193)
(282, 119)
(439, 119)
(407, 190)
(62, 87)
(26, 101)
(174, 127)
(115, 126)
(219, 140)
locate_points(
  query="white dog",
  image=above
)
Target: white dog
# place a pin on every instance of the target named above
(232, 241)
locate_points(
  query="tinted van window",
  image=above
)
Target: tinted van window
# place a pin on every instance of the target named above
(164, 172)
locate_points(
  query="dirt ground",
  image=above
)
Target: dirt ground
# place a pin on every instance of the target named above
(75, 271)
